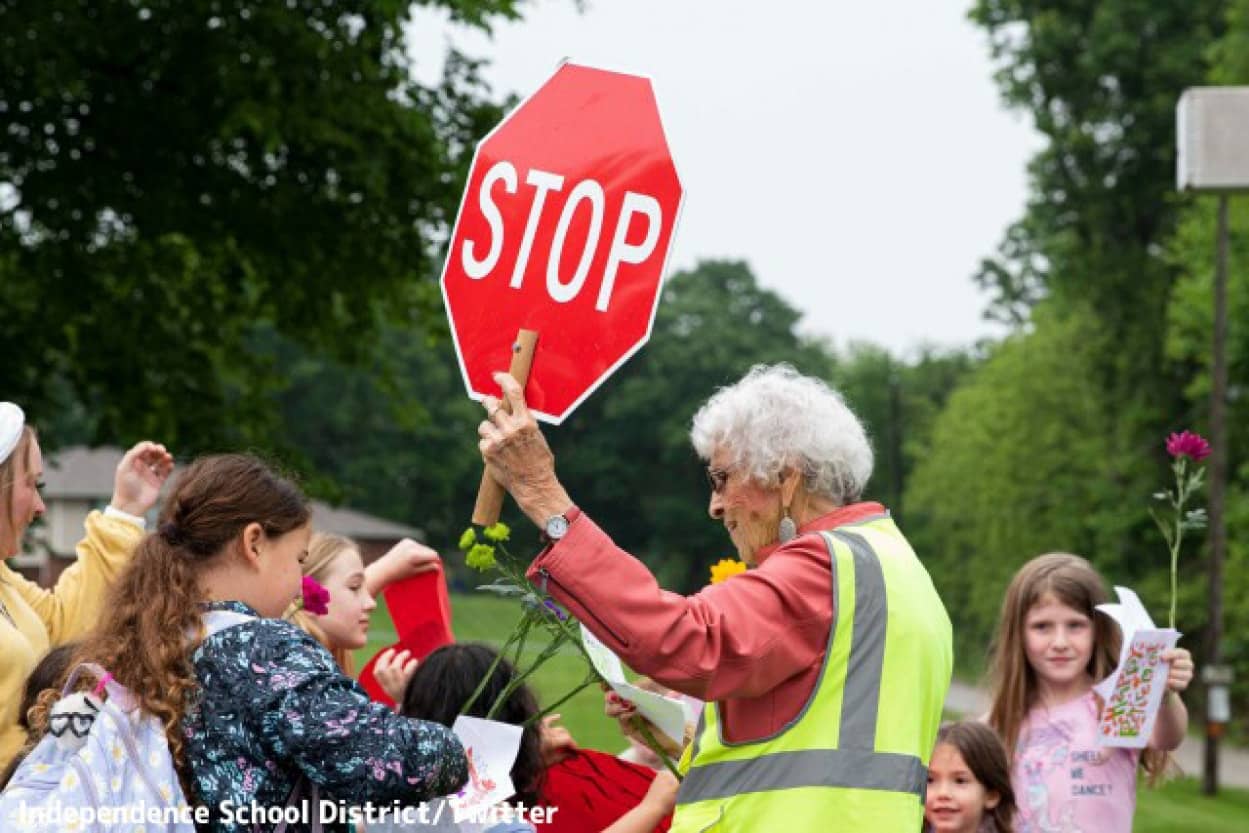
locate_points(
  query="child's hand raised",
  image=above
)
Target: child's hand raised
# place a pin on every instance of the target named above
(139, 477)
(392, 672)
(557, 741)
(1181, 673)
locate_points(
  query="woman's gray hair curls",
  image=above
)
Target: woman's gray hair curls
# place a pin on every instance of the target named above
(775, 418)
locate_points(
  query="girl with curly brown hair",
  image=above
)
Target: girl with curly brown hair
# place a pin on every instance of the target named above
(258, 708)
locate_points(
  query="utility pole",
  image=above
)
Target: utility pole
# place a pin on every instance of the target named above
(1210, 125)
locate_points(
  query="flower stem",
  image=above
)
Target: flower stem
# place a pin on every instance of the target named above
(561, 701)
(520, 678)
(489, 673)
(639, 723)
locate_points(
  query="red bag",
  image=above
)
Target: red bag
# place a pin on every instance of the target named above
(421, 611)
(593, 789)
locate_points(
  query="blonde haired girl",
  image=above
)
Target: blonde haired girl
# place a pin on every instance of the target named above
(335, 562)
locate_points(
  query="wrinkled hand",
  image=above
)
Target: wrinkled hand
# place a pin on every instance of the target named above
(1181, 673)
(517, 455)
(393, 671)
(662, 795)
(557, 742)
(140, 475)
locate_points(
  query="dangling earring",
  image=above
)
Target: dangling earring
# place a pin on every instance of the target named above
(788, 530)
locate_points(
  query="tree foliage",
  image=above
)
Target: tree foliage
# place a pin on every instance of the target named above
(1057, 441)
(1100, 81)
(1022, 461)
(1190, 322)
(172, 173)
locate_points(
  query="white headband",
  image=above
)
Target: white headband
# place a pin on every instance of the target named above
(12, 420)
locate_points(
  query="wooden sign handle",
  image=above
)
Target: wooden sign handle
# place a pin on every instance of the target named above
(490, 494)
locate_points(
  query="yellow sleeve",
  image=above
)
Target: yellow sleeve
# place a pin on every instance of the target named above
(17, 657)
(70, 608)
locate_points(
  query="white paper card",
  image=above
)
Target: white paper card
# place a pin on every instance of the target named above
(667, 713)
(1133, 692)
(491, 748)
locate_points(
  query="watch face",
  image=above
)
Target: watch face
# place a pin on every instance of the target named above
(556, 527)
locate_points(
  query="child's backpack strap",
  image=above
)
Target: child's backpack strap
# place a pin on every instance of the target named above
(104, 683)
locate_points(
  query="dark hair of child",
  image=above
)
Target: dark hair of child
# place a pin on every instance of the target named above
(45, 676)
(982, 750)
(445, 680)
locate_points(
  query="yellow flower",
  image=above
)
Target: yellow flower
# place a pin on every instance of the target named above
(468, 539)
(725, 569)
(480, 557)
(497, 532)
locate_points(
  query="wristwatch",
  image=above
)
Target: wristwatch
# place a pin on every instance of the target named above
(556, 526)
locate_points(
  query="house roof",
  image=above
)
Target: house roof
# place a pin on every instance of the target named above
(81, 473)
(357, 525)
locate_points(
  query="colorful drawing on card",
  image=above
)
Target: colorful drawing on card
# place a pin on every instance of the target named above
(491, 749)
(1133, 692)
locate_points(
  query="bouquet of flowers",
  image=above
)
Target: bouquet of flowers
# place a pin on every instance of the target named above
(540, 617)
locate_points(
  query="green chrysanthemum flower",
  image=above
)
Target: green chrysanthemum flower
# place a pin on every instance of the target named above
(468, 539)
(480, 557)
(497, 532)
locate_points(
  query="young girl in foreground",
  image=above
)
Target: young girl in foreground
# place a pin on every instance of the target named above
(254, 709)
(1052, 646)
(969, 787)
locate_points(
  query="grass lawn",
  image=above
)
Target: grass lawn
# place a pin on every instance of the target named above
(1177, 807)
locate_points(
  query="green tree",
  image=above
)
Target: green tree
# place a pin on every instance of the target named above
(1190, 323)
(1100, 81)
(1022, 461)
(898, 401)
(173, 173)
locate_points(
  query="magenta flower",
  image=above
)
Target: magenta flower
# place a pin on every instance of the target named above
(1188, 444)
(316, 597)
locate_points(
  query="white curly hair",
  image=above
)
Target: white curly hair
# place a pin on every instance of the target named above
(774, 418)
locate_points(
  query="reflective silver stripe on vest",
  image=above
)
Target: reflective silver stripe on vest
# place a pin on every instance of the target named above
(698, 733)
(856, 764)
(859, 769)
(860, 700)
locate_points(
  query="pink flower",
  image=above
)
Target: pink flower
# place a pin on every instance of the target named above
(1188, 444)
(316, 597)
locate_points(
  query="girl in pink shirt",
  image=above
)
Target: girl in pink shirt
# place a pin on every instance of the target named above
(1051, 648)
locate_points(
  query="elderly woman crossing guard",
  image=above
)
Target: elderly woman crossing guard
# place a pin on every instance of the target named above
(824, 668)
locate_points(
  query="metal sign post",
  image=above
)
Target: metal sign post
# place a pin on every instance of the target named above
(1211, 123)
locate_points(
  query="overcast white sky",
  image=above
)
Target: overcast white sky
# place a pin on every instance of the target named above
(856, 155)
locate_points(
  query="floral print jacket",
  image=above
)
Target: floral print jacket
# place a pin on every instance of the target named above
(273, 706)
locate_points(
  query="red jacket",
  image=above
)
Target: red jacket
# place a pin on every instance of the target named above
(754, 642)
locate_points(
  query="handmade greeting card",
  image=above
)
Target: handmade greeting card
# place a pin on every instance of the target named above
(1133, 692)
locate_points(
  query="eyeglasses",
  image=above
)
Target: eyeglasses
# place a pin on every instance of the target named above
(717, 478)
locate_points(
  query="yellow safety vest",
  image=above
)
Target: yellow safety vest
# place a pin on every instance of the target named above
(856, 756)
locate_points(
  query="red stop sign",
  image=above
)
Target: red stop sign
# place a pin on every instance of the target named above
(564, 228)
